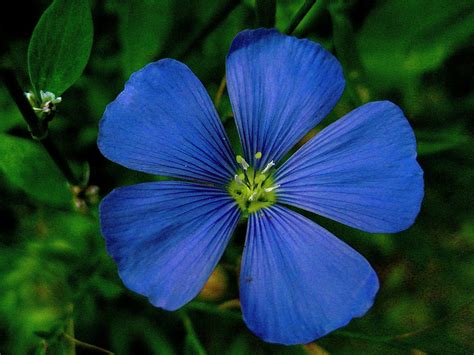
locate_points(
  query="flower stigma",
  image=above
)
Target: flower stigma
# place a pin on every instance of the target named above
(251, 189)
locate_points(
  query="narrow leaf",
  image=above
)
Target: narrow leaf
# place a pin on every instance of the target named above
(60, 45)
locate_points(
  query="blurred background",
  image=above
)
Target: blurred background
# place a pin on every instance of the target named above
(59, 291)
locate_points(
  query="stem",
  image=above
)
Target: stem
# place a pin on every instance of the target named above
(235, 303)
(211, 309)
(192, 334)
(300, 15)
(220, 92)
(38, 129)
(69, 332)
(59, 160)
(86, 345)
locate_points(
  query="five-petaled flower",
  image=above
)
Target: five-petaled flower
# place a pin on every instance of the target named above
(298, 281)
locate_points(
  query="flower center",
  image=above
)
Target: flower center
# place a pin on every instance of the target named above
(251, 189)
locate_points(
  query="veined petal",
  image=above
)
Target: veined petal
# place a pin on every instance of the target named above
(167, 237)
(298, 281)
(280, 87)
(164, 123)
(360, 171)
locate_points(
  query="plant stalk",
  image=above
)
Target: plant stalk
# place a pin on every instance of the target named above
(37, 127)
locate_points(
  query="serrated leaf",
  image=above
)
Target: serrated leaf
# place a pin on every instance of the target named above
(60, 45)
(144, 25)
(401, 39)
(266, 11)
(29, 168)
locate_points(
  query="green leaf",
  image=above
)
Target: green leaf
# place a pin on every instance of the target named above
(29, 168)
(439, 141)
(266, 10)
(144, 26)
(60, 45)
(401, 39)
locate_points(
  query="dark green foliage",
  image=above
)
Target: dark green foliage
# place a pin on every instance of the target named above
(60, 46)
(27, 166)
(54, 270)
(266, 11)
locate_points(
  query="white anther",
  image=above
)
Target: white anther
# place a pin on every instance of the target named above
(268, 167)
(244, 164)
(252, 196)
(270, 189)
(238, 180)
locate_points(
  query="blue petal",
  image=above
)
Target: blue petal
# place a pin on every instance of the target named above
(280, 87)
(164, 123)
(167, 237)
(298, 281)
(360, 171)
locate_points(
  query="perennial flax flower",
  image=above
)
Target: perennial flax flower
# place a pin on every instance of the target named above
(298, 281)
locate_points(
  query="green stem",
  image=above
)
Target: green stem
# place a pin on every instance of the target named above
(84, 345)
(212, 309)
(38, 128)
(192, 336)
(300, 15)
(69, 332)
(220, 92)
(59, 160)
(41, 348)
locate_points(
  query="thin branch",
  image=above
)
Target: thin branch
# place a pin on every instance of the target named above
(37, 130)
(87, 345)
(235, 303)
(212, 309)
(188, 325)
(59, 160)
(220, 92)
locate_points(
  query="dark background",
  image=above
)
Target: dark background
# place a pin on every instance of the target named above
(58, 284)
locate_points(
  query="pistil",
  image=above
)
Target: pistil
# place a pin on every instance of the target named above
(251, 189)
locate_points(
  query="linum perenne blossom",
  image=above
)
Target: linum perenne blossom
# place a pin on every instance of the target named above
(298, 281)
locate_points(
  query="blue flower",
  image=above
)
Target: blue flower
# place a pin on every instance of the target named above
(298, 282)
